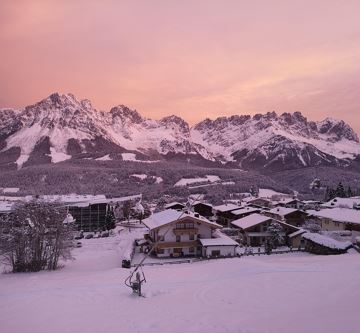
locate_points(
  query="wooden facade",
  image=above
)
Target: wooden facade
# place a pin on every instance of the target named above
(203, 209)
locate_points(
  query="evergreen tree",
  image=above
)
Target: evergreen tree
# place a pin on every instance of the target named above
(110, 220)
(275, 238)
(340, 191)
(332, 194)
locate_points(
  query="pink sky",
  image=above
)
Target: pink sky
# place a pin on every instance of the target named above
(192, 58)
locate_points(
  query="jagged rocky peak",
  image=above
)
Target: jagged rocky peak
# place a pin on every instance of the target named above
(222, 122)
(337, 129)
(58, 103)
(86, 104)
(173, 120)
(7, 115)
(126, 115)
(294, 118)
(203, 125)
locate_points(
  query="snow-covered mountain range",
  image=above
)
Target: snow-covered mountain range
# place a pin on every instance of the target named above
(61, 127)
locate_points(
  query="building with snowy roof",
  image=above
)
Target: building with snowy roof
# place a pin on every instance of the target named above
(218, 246)
(203, 208)
(351, 203)
(6, 207)
(320, 244)
(253, 229)
(97, 213)
(176, 234)
(333, 219)
(175, 205)
(290, 203)
(291, 216)
(223, 213)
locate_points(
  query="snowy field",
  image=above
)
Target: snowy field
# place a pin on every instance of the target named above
(187, 181)
(277, 293)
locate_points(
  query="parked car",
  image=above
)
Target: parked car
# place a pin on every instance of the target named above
(105, 234)
(78, 244)
(80, 235)
(88, 236)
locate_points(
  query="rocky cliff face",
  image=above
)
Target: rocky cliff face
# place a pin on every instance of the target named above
(272, 141)
(61, 127)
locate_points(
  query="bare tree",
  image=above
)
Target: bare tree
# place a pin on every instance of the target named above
(34, 236)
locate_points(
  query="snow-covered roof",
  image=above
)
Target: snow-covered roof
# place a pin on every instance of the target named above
(326, 241)
(250, 199)
(245, 210)
(226, 207)
(250, 221)
(344, 215)
(6, 206)
(282, 211)
(311, 202)
(203, 203)
(173, 204)
(171, 215)
(94, 201)
(220, 239)
(69, 198)
(296, 233)
(285, 201)
(342, 202)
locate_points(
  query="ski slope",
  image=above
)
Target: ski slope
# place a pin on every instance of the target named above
(278, 293)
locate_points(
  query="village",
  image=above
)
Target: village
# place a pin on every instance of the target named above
(194, 260)
(268, 223)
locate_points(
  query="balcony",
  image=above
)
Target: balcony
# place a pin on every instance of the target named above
(165, 245)
(185, 231)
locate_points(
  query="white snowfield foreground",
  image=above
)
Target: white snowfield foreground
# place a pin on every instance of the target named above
(277, 293)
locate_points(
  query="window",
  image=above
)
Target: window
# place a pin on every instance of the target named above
(160, 251)
(178, 238)
(161, 238)
(177, 250)
(215, 253)
(191, 250)
(191, 237)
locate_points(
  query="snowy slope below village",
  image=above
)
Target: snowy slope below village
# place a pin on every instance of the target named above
(278, 293)
(62, 127)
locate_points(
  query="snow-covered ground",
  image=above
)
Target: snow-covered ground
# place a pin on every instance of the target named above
(187, 181)
(294, 293)
(132, 157)
(267, 193)
(141, 176)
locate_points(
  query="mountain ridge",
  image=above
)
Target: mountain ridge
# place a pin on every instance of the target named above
(61, 127)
